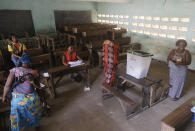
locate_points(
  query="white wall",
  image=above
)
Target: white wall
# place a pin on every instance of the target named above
(160, 47)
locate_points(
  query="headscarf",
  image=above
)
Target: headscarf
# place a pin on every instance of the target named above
(25, 59)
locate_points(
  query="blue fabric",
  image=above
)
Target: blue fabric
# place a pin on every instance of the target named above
(26, 58)
(25, 111)
(16, 61)
(80, 73)
(24, 88)
(194, 118)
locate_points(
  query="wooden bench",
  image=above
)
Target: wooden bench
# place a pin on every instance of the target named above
(34, 51)
(124, 40)
(41, 59)
(130, 104)
(174, 120)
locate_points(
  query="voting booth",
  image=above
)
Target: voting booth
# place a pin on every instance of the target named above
(138, 64)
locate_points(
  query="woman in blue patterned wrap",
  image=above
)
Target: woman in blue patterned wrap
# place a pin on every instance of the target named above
(25, 104)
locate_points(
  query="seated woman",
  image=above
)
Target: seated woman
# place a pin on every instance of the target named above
(16, 49)
(178, 60)
(70, 56)
(25, 105)
(110, 59)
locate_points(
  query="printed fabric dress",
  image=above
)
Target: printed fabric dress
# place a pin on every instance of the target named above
(25, 104)
(177, 74)
(110, 59)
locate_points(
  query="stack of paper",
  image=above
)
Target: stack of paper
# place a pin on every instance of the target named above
(76, 63)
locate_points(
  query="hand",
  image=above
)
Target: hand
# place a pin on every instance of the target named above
(178, 62)
(67, 65)
(4, 99)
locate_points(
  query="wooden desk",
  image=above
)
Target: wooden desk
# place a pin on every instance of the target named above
(60, 71)
(177, 118)
(151, 88)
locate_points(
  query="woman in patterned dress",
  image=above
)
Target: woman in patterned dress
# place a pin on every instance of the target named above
(110, 59)
(25, 103)
(178, 61)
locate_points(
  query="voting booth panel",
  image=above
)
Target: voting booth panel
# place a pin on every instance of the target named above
(137, 66)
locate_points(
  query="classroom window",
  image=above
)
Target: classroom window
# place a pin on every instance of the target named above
(162, 35)
(103, 21)
(141, 17)
(184, 19)
(99, 15)
(163, 27)
(120, 22)
(174, 19)
(182, 28)
(154, 34)
(103, 15)
(111, 16)
(193, 39)
(141, 24)
(134, 24)
(172, 27)
(107, 16)
(111, 22)
(146, 32)
(99, 20)
(156, 18)
(140, 31)
(155, 26)
(135, 17)
(148, 18)
(171, 36)
(116, 16)
(147, 25)
(107, 21)
(115, 22)
(126, 23)
(164, 19)
(126, 16)
(181, 37)
(121, 16)
(133, 30)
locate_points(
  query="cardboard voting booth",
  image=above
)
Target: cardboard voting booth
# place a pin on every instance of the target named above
(138, 64)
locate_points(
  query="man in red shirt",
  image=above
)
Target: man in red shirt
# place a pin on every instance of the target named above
(70, 56)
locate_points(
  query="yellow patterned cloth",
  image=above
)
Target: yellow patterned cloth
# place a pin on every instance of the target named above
(25, 111)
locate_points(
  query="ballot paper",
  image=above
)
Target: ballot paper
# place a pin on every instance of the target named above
(75, 63)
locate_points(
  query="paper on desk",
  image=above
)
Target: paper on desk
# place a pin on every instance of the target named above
(75, 63)
(42, 85)
(46, 74)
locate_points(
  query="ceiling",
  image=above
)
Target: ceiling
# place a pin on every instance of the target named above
(113, 1)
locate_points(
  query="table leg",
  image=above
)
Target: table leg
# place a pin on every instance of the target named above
(52, 87)
(88, 79)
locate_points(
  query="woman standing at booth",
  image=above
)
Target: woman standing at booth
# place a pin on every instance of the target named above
(178, 60)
